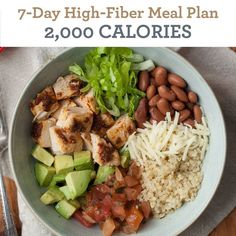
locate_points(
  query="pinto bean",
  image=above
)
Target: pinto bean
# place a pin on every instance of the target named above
(153, 82)
(156, 114)
(176, 80)
(172, 111)
(197, 112)
(178, 105)
(163, 106)
(184, 114)
(151, 120)
(189, 121)
(189, 106)
(153, 101)
(192, 97)
(166, 93)
(143, 81)
(140, 114)
(152, 72)
(181, 95)
(151, 91)
(160, 75)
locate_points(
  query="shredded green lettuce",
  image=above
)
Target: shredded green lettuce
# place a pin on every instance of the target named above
(108, 72)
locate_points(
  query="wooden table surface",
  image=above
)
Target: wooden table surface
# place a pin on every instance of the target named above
(12, 199)
(227, 227)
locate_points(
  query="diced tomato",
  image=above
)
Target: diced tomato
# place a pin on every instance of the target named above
(123, 171)
(132, 193)
(97, 194)
(89, 210)
(99, 212)
(131, 181)
(103, 188)
(114, 204)
(100, 215)
(78, 216)
(146, 209)
(119, 176)
(119, 185)
(118, 211)
(111, 180)
(134, 170)
(108, 227)
(134, 217)
(117, 224)
(94, 196)
(107, 201)
(88, 218)
(119, 197)
(128, 229)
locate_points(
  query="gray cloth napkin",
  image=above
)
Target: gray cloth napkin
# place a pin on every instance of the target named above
(218, 67)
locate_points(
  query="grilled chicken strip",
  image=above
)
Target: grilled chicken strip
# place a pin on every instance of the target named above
(40, 132)
(67, 103)
(75, 119)
(66, 87)
(44, 104)
(103, 152)
(87, 101)
(87, 141)
(119, 133)
(64, 141)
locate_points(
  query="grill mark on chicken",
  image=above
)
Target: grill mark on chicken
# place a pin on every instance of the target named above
(86, 120)
(120, 131)
(71, 139)
(66, 140)
(106, 152)
(36, 130)
(79, 125)
(59, 94)
(130, 130)
(47, 97)
(66, 87)
(74, 85)
(100, 126)
(118, 141)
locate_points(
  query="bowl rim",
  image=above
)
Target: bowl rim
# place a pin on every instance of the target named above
(172, 53)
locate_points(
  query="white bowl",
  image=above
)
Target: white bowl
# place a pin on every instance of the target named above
(174, 223)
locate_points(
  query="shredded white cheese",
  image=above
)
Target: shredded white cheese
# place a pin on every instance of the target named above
(168, 139)
(170, 157)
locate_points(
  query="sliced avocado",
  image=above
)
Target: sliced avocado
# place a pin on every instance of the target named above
(125, 159)
(44, 174)
(65, 209)
(83, 160)
(57, 179)
(66, 192)
(64, 164)
(52, 195)
(75, 203)
(103, 173)
(78, 181)
(42, 155)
